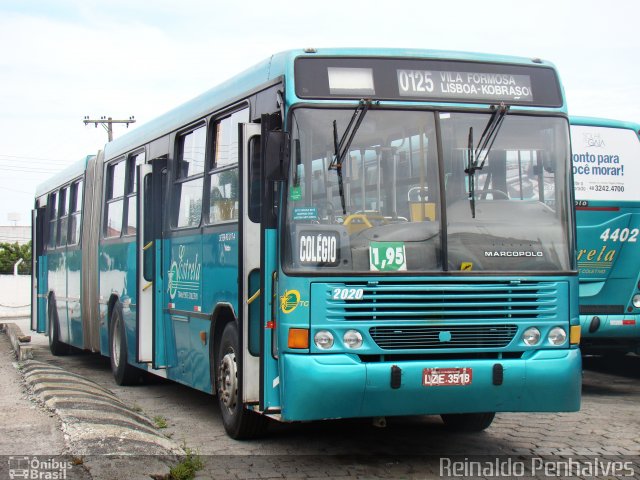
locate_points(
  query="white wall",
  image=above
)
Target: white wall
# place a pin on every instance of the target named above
(15, 296)
(13, 234)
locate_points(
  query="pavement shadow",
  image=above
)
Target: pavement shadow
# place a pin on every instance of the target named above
(627, 366)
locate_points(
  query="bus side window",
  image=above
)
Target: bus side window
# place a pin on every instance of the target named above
(147, 268)
(63, 217)
(52, 204)
(115, 200)
(75, 213)
(255, 186)
(223, 177)
(190, 178)
(130, 192)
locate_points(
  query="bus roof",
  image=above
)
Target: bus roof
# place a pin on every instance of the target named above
(73, 171)
(268, 70)
(604, 122)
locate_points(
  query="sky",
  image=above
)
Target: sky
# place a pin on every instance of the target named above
(63, 59)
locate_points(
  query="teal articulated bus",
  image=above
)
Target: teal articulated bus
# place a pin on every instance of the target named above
(331, 234)
(606, 168)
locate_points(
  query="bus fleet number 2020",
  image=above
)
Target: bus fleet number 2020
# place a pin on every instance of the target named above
(348, 293)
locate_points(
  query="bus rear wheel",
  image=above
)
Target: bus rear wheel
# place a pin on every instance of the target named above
(468, 422)
(238, 422)
(123, 373)
(56, 347)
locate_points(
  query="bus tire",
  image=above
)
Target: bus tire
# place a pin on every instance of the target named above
(239, 423)
(56, 347)
(468, 422)
(123, 373)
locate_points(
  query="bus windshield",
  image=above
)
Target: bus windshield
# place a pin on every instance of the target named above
(513, 216)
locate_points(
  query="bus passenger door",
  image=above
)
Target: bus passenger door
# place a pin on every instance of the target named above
(250, 286)
(150, 347)
(145, 243)
(38, 272)
(259, 366)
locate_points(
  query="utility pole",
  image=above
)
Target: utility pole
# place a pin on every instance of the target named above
(107, 123)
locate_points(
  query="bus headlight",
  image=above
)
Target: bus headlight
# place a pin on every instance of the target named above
(352, 339)
(323, 339)
(636, 300)
(557, 336)
(531, 336)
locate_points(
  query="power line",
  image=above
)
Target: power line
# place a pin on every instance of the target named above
(29, 170)
(14, 190)
(34, 158)
(5, 162)
(32, 167)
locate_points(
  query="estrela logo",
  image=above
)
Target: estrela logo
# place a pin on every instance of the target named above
(289, 301)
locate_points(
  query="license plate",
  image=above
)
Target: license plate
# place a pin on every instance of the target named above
(445, 377)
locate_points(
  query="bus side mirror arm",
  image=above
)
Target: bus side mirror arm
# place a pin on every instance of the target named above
(276, 159)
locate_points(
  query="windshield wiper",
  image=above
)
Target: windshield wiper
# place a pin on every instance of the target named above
(341, 147)
(470, 171)
(485, 143)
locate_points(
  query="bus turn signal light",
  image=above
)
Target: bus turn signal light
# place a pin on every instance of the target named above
(298, 338)
(574, 336)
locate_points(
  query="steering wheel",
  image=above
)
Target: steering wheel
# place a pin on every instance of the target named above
(326, 206)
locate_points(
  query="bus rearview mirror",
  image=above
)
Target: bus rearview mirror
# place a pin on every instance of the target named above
(276, 159)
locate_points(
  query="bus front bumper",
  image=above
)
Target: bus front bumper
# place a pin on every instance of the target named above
(327, 386)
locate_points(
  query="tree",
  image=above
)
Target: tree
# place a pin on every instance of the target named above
(10, 253)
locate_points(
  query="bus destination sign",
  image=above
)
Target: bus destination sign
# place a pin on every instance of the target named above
(427, 80)
(460, 85)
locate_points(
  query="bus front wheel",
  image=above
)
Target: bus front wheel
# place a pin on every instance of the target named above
(56, 347)
(123, 373)
(468, 422)
(239, 422)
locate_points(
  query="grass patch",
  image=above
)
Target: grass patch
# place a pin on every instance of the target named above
(187, 468)
(160, 422)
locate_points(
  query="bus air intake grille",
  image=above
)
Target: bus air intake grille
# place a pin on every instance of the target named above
(460, 336)
(440, 301)
(601, 309)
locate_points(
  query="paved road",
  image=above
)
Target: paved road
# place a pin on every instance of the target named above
(607, 426)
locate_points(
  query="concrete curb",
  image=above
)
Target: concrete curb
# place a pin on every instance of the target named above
(22, 349)
(95, 420)
(98, 427)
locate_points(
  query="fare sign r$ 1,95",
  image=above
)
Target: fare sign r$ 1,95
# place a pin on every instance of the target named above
(387, 257)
